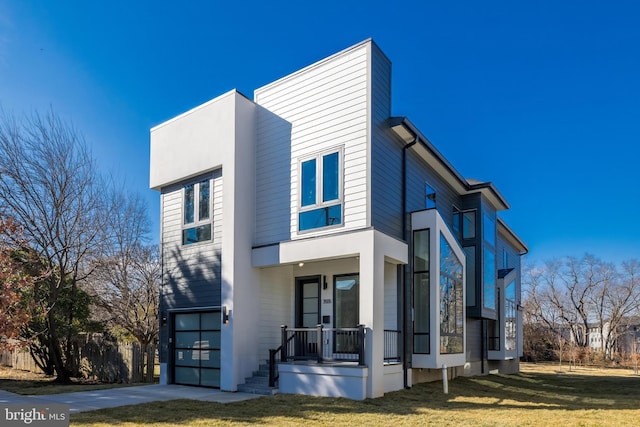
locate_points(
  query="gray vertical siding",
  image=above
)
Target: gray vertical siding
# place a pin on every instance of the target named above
(419, 173)
(474, 339)
(386, 152)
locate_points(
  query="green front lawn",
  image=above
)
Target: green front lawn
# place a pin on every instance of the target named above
(539, 396)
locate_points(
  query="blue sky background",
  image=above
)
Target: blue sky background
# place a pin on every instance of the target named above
(540, 97)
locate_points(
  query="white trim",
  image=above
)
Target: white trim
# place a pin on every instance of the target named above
(319, 204)
(197, 222)
(432, 220)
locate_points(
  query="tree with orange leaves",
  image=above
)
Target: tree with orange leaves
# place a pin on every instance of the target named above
(15, 283)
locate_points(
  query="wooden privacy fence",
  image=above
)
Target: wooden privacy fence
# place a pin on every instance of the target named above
(121, 362)
(19, 359)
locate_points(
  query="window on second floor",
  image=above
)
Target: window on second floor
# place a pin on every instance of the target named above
(196, 210)
(489, 262)
(320, 191)
(464, 224)
(429, 196)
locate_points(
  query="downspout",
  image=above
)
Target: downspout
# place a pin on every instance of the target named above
(406, 309)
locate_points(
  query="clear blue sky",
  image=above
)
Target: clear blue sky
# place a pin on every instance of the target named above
(540, 97)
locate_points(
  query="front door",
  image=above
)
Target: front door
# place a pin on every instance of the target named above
(307, 315)
(308, 302)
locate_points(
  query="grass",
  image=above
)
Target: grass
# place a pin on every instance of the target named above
(30, 383)
(540, 395)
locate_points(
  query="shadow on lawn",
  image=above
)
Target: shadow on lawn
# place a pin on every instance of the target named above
(522, 391)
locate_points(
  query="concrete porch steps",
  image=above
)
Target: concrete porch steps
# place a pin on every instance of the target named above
(258, 383)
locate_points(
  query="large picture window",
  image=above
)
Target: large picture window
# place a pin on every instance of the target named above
(197, 212)
(451, 300)
(320, 191)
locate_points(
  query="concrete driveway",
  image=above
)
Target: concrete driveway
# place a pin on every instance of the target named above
(110, 398)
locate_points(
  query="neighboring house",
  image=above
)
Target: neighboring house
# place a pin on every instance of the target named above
(624, 339)
(628, 336)
(596, 339)
(310, 220)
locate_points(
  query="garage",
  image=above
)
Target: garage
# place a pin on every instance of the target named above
(196, 355)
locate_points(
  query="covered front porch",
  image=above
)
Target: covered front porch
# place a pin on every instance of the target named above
(313, 359)
(337, 300)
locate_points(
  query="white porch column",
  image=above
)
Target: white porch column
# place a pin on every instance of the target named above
(372, 313)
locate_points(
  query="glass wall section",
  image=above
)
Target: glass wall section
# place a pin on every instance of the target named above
(489, 226)
(421, 284)
(489, 282)
(511, 324)
(489, 262)
(451, 302)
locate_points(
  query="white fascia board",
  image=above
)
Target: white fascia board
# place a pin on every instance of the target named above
(332, 246)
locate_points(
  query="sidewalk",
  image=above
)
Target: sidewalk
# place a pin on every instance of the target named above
(113, 397)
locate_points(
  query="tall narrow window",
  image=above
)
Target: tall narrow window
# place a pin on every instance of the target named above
(469, 225)
(347, 304)
(196, 212)
(510, 320)
(489, 262)
(456, 222)
(320, 191)
(421, 285)
(430, 196)
(451, 302)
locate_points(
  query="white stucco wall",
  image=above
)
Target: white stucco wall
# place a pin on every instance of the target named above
(221, 135)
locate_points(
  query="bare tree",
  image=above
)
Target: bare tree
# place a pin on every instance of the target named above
(125, 286)
(572, 296)
(617, 302)
(50, 185)
(546, 306)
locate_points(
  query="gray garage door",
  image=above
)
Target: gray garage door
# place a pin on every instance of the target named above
(196, 354)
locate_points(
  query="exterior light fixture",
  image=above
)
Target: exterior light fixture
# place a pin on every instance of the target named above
(301, 264)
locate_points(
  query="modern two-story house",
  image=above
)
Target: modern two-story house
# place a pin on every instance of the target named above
(310, 230)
